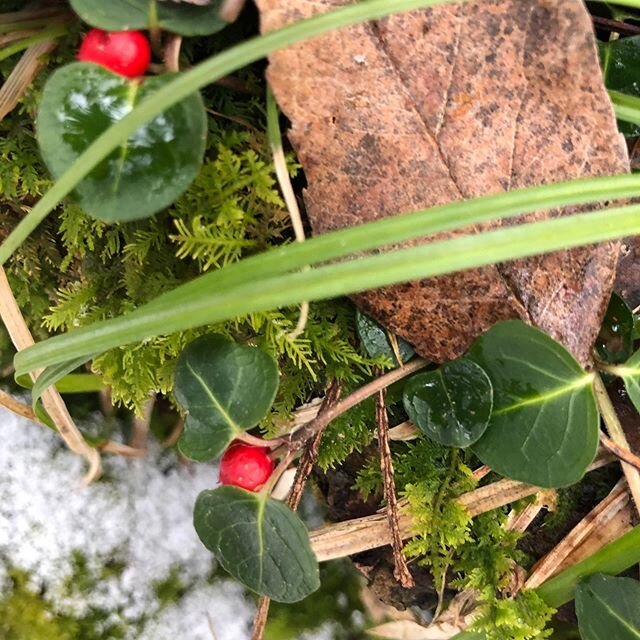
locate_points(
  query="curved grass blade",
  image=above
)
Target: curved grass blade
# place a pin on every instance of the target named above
(200, 303)
(190, 81)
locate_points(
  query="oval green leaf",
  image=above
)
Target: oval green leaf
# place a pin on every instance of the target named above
(620, 61)
(630, 374)
(259, 541)
(544, 425)
(376, 342)
(154, 167)
(225, 389)
(451, 405)
(608, 608)
(123, 15)
(615, 340)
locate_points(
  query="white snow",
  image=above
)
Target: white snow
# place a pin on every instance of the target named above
(139, 515)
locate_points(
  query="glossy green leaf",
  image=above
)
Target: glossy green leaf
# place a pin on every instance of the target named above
(620, 60)
(615, 340)
(147, 173)
(636, 327)
(123, 15)
(608, 608)
(225, 388)
(544, 425)
(376, 342)
(630, 374)
(451, 405)
(259, 541)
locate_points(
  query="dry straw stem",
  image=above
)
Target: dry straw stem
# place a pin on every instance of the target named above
(172, 53)
(17, 407)
(51, 399)
(10, 94)
(142, 424)
(290, 201)
(612, 517)
(616, 434)
(362, 534)
(520, 521)
(22, 75)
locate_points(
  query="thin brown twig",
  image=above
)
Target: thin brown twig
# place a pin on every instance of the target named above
(174, 434)
(297, 439)
(17, 407)
(172, 53)
(401, 570)
(616, 433)
(312, 449)
(623, 454)
(124, 450)
(142, 424)
(25, 411)
(261, 617)
(305, 466)
(623, 28)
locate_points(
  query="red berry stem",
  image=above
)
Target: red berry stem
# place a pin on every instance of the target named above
(277, 473)
(255, 441)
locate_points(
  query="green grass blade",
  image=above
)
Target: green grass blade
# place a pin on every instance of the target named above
(25, 43)
(186, 83)
(627, 107)
(397, 229)
(614, 558)
(258, 292)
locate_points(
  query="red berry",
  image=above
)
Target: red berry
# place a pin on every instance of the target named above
(125, 52)
(246, 466)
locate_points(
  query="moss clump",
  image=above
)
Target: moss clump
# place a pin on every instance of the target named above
(26, 615)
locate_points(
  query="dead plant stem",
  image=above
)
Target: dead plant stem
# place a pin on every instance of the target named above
(401, 570)
(296, 439)
(617, 435)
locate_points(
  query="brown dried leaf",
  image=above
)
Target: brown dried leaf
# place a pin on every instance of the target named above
(459, 101)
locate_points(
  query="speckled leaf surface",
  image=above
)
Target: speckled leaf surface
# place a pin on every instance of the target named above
(259, 541)
(122, 15)
(145, 174)
(442, 104)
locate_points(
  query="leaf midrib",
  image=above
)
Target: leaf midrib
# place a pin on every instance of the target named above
(615, 614)
(214, 400)
(547, 397)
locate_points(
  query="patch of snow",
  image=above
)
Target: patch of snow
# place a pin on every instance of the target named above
(139, 515)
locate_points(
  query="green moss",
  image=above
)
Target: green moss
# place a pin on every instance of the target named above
(171, 589)
(26, 615)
